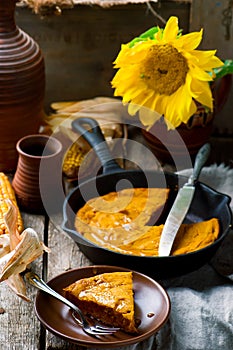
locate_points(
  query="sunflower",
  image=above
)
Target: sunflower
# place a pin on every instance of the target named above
(163, 72)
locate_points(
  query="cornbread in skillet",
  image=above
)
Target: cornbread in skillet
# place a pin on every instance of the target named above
(192, 237)
(107, 297)
(119, 221)
(189, 238)
(118, 217)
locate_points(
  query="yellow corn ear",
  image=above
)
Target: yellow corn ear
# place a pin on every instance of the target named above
(7, 192)
(73, 159)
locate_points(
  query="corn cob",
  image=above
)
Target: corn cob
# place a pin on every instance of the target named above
(7, 192)
(73, 159)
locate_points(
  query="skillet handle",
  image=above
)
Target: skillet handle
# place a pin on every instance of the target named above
(91, 132)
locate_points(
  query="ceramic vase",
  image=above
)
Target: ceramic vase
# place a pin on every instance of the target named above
(173, 146)
(22, 85)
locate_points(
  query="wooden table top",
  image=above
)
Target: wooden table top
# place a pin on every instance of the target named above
(19, 327)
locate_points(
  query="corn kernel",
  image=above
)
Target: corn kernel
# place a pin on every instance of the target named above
(73, 159)
(7, 192)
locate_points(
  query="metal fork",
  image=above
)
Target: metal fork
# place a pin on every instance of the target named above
(95, 329)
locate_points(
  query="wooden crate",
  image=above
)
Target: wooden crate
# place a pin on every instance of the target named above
(80, 45)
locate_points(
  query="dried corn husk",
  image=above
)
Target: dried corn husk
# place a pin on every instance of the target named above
(110, 114)
(17, 285)
(93, 104)
(4, 244)
(18, 251)
(28, 249)
(48, 7)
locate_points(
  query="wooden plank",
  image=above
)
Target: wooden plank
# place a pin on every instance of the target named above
(70, 257)
(19, 326)
(209, 15)
(66, 249)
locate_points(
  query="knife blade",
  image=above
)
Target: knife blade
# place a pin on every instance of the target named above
(182, 204)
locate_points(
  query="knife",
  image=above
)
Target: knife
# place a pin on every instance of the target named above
(182, 203)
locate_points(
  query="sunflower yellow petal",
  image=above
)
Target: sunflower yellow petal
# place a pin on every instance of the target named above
(142, 98)
(207, 59)
(206, 101)
(202, 93)
(131, 94)
(173, 113)
(153, 102)
(189, 41)
(179, 108)
(171, 29)
(148, 117)
(198, 73)
(130, 56)
(159, 104)
(184, 101)
(133, 108)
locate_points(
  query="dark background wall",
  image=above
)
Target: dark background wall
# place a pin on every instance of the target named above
(80, 45)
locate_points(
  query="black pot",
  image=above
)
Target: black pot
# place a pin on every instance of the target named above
(207, 203)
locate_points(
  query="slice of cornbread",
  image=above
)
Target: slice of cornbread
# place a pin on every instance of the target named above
(107, 297)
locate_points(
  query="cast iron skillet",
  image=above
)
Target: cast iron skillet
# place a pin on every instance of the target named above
(207, 203)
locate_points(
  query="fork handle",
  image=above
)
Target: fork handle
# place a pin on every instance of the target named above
(37, 282)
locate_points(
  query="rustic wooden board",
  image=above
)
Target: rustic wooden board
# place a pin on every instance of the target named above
(63, 246)
(69, 257)
(19, 327)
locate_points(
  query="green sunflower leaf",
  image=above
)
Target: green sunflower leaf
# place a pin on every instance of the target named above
(227, 68)
(149, 34)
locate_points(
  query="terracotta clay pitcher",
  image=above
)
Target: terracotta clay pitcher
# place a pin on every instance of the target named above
(22, 85)
(39, 164)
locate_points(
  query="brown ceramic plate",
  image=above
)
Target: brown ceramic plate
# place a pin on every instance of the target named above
(152, 308)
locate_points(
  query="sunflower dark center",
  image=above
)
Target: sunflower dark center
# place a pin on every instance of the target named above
(164, 69)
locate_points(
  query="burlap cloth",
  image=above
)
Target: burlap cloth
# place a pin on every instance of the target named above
(201, 302)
